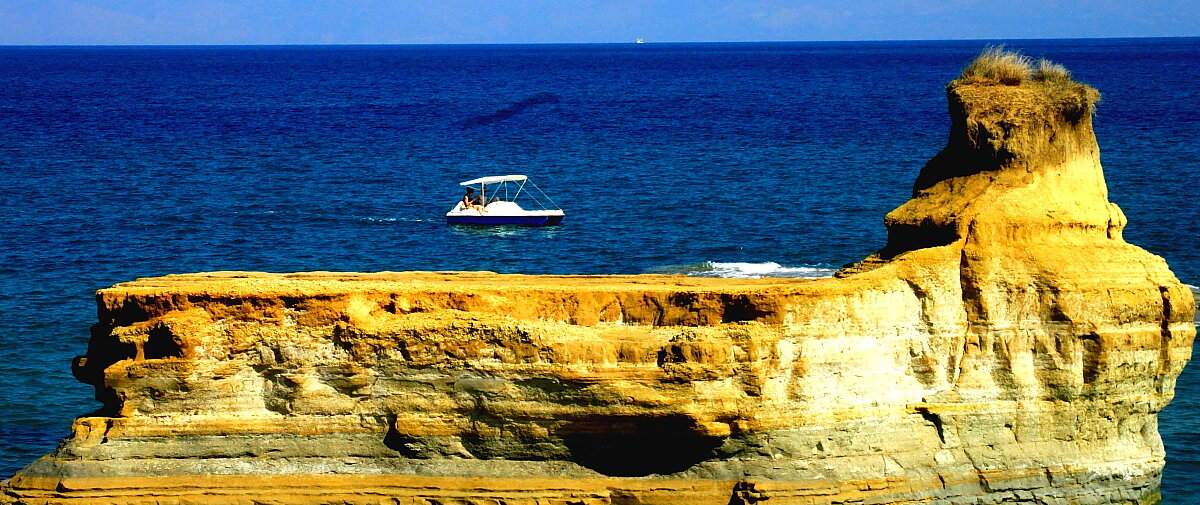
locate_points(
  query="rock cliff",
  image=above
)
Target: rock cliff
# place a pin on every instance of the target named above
(1006, 346)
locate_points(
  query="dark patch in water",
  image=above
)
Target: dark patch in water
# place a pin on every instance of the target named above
(538, 98)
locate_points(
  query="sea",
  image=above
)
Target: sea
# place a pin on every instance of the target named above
(711, 159)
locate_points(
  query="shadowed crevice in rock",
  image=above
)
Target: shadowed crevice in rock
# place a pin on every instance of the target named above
(402, 444)
(1092, 357)
(903, 238)
(161, 343)
(103, 351)
(955, 161)
(638, 446)
(747, 493)
(934, 420)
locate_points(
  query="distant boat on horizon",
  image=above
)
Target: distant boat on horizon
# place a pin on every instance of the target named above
(640, 41)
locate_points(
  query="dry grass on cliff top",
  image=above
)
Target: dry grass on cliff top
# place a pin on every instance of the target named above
(1051, 82)
(999, 65)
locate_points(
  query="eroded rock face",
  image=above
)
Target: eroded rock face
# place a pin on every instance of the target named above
(1006, 346)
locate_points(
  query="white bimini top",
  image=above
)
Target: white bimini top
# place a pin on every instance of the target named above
(493, 179)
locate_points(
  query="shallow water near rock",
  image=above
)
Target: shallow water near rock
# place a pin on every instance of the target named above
(709, 159)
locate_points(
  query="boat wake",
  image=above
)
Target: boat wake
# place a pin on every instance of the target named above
(745, 270)
(367, 219)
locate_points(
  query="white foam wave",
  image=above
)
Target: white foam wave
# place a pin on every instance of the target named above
(746, 270)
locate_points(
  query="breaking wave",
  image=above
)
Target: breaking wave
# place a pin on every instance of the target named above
(737, 270)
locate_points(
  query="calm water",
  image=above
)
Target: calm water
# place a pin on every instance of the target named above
(119, 163)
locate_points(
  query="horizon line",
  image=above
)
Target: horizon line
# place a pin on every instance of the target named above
(664, 42)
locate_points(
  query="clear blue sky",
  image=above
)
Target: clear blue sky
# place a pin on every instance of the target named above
(538, 21)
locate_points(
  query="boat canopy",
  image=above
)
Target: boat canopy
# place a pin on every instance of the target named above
(493, 179)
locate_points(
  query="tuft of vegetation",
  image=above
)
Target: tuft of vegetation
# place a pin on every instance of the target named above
(997, 64)
(1051, 72)
(1046, 86)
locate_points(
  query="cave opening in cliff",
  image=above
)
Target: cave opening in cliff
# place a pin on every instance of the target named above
(161, 343)
(636, 447)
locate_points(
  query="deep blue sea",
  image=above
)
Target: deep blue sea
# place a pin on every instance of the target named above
(716, 159)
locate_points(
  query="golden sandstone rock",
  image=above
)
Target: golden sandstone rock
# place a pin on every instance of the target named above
(1007, 345)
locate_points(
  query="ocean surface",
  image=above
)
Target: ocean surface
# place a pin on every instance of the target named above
(705, 159)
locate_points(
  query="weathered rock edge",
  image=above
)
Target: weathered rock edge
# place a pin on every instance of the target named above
(1007, 345)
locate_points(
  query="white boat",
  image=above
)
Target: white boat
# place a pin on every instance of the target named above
(496, 203)
(640, 41)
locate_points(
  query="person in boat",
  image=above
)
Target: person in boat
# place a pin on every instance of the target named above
(469, 200)
(466, 199)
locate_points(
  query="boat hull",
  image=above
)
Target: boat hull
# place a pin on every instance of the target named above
(506, 220)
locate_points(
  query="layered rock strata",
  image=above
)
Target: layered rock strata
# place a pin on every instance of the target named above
(1006, 346)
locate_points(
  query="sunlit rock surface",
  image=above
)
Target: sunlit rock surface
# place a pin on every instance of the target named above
(1006, 346)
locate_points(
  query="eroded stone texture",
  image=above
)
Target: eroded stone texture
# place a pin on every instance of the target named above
(1006, 346)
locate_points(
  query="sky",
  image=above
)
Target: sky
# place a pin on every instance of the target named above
(88, 22)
